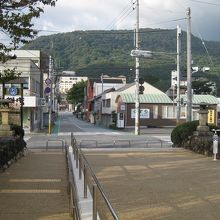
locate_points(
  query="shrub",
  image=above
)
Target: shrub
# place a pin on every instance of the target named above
(18, 131)
(181, 132)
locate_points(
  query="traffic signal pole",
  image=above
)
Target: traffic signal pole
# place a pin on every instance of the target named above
(137, 66)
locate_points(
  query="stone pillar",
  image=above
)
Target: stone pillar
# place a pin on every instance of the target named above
(202, 129)
(5, 129)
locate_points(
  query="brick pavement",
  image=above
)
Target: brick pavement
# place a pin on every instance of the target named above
(35, 187)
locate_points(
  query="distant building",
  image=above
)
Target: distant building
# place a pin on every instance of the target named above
(67, 82)
(95, 87)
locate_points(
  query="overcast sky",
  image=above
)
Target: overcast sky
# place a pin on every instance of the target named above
(71, 15)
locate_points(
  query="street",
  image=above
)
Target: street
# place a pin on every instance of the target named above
(82, 130)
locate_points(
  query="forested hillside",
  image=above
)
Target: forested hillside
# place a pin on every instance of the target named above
(92, 53)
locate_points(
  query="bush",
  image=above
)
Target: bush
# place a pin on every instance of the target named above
(18, 131)
(181, 132)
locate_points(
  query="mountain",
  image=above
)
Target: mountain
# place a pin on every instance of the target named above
(91, 53)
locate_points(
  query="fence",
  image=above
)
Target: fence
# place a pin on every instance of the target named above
(84, 167)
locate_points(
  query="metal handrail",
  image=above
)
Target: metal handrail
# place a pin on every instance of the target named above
(56, 140)
(87, 165)
(73, 191)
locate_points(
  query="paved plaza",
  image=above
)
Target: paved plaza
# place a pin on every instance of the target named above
(172, 184)
(35, 188)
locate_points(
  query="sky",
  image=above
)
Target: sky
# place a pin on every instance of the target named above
(72, 15)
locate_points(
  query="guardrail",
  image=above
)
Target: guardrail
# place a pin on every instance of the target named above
(56, 140)
(84, 167)
(126, 143)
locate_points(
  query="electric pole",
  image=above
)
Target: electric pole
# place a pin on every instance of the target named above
(178, 72)
(50, 96)
(137, 66)
(189, 67)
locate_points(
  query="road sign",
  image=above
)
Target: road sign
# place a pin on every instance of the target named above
(13, 91)
(47, 90)
(48, 81)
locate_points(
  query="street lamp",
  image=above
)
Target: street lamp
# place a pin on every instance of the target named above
(141, 53)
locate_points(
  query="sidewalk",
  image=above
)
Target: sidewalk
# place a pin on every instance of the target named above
(35, 187)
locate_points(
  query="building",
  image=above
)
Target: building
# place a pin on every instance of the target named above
(31, 65)
(109, 104)
(156, 110)
(210, 101)
(67, 82)
(94, 88)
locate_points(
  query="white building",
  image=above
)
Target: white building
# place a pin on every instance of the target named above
(67, 82)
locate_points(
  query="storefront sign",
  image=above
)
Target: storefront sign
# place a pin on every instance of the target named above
(144, 113)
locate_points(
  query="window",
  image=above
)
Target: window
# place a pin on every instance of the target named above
(168, 112)
(155, 111)
(183, 112)
(108, 103)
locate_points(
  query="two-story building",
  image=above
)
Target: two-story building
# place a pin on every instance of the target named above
(30, 65)
(94, 88)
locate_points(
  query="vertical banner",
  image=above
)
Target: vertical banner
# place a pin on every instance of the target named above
(211, 116)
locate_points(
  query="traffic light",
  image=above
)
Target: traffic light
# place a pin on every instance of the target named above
(141, 88)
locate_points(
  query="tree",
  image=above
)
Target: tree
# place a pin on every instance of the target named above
(16, 22)
(76, 94)
(203, 87)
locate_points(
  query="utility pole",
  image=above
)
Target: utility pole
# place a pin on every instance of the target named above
(178, 72)
(137, 66)
(50, 96)
(189, 67)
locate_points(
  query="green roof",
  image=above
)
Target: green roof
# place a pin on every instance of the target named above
(198, 99)
(146, 98)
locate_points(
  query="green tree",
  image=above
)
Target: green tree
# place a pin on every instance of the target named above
(16, 23)
(76, 94)
(203, 87)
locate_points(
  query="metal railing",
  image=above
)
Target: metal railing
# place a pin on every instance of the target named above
(56, 140)
(83, 165)
(74, 208)
(126, 143)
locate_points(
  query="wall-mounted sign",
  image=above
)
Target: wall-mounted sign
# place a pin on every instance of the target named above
(144, 113)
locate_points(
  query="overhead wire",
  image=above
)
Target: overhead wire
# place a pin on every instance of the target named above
(120, 16)
(205, 2)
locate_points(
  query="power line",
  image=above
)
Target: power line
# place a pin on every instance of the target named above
(120, 16)
(205, 2)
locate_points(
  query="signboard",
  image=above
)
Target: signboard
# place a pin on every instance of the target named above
(211, 116)
(43, 102)
(144, 113)
(123, 107)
